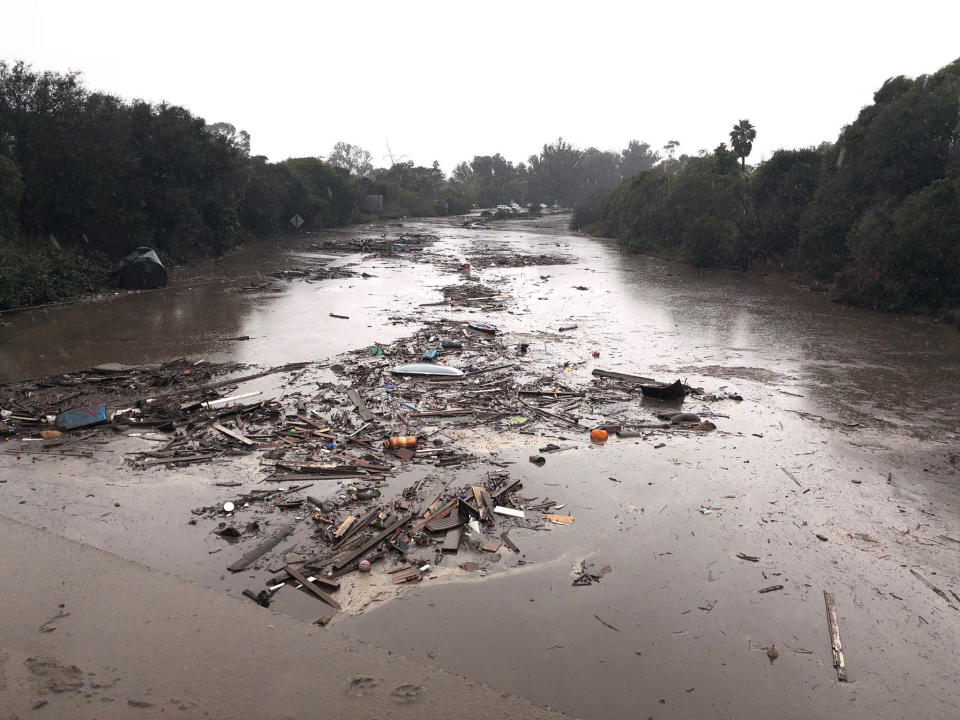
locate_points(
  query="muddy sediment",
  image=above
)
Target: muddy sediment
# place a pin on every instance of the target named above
(836, 471)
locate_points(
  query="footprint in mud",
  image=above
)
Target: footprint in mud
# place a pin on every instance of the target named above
(360, 686)
(53, 677)
(407, 693)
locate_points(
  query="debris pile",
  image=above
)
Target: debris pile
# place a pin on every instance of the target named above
(403, 538)
(137, 394)
(360, 422)
(500, 258)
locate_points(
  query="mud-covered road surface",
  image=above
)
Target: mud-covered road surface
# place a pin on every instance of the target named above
(839, 471)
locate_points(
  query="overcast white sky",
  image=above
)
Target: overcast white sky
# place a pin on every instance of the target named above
(447, 80)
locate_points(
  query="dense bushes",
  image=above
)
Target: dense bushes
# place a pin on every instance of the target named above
(88, 175)
(34, 276)
(878, 212)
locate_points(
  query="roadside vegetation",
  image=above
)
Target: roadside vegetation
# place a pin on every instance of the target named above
(85, 177)
(875, 215)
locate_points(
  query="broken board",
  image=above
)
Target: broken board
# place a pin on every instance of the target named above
(451, 543)
(261, 549)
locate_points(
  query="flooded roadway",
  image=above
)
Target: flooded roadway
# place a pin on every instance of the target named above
(832, 394)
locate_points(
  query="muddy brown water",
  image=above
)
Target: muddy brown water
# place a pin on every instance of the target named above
(832, 394)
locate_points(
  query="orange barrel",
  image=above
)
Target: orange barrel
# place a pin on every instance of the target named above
(407, 441)
(598, 435)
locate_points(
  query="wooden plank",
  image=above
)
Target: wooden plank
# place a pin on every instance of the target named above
(357, 526)
(492, 545)
(222, 383)
(560, 519)
(548, 393)
(355, 565)
(505, 489)
(444, 413)
(326, 583)
(361, 406)
(451, 543)
(834, 628)
(239, 437)
(405, 576)
(344, 526)
(182, 459)
(295, 477)
(261, 549)
(297, 575)
(346, 557)
(622, 376)
(509, 543)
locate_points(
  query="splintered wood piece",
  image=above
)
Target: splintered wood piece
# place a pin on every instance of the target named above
(260, 550)
(405, 576)
(239, 437)
(344, 526)
(302, 579)
(834, 628)
(597, 372)
(514, 485)
(509, 543)
(492, 545)
(560, 519)
(322, 622)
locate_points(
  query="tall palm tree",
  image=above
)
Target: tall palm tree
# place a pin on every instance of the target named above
(742, 137)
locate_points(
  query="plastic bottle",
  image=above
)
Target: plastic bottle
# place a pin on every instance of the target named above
(406, 441)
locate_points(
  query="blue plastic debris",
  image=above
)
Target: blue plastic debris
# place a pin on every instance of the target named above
(429, 355)
(81, 417)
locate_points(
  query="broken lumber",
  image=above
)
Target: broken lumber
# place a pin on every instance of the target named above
(239, 437)
(597, 372)
(261, 549)
(834, 629)
(302, 579)
(360, 405)
(346, 557)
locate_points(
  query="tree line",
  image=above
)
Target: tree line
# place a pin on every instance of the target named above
(876, 213)
(85, 177)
